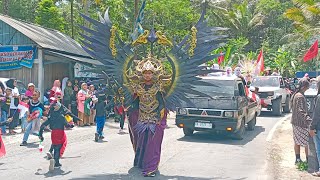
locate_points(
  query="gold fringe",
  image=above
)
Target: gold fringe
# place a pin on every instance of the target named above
(113, 41)
(193, 43)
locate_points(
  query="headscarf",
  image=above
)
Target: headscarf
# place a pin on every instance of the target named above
(85, 92)
(64, 83)
(10, 83)
(303, 82)
(56, 87)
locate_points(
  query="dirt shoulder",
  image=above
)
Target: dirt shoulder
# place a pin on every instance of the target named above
(281, 155)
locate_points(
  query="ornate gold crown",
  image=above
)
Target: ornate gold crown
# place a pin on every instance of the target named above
(149, 64)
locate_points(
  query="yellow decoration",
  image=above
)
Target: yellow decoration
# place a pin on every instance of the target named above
(142, 39)
(162, 112)
(162, 39)
(193, 43)
(68, 118)
(112, 41)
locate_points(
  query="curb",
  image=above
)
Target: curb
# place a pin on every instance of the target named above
(275, 127)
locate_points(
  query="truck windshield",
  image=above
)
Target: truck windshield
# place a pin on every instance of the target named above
(265, 82)
(219, 88)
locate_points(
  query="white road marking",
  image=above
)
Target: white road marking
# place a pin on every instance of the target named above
(274, 128)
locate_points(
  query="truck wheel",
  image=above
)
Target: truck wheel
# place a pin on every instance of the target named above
(188, 131)
(287, 108)
(276, 107)
(252, 123)
(239, 134)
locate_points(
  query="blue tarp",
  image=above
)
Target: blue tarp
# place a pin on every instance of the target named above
(312, 74)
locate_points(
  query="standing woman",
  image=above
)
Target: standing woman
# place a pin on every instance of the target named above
(68, 91)
(315, 126)
(74, 103)
(55, 88)
(12, 84)
(92, 93)
(300, 119)
(82, 96)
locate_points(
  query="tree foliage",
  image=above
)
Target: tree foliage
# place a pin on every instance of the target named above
(283, 28)
(47, 15)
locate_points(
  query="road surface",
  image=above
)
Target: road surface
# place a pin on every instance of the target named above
(201, 156)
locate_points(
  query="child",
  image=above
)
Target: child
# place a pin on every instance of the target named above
(57, 123)
(100, 108)
(5, 109)
(24, 112)
(67, 114)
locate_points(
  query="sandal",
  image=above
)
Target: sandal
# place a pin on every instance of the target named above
(316, 174)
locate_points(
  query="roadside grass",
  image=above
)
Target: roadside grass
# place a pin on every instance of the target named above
(302, 166)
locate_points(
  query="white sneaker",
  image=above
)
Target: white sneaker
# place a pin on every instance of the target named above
(51, 166)
(49, 155)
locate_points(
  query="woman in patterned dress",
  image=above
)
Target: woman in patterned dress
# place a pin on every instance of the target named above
(300, 119)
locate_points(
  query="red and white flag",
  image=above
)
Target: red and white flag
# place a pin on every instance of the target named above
(2, 148)
(259, 64)
(312, 52)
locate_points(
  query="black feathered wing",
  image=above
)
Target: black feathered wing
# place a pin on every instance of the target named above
(187, 68)
(97, 44)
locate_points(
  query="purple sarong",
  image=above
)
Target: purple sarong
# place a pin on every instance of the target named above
(147, 140)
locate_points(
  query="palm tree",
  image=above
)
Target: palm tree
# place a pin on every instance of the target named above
(242, 21)
(305, 16)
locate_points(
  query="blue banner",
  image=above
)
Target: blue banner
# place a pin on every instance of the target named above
(15, 57)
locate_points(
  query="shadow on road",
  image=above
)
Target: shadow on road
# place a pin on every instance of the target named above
(55, 172)
(206, 137)
(135, 173)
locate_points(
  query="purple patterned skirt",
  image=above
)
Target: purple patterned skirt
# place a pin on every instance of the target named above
(146, 140)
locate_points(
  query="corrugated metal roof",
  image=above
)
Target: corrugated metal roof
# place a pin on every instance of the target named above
(46, 38)
(76, 58)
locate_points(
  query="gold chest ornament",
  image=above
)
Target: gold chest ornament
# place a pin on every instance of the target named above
(148, 103)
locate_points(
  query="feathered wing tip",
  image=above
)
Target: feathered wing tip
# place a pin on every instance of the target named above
(188, 68)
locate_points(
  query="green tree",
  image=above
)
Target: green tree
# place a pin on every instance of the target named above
(47, 15)
(242, 21)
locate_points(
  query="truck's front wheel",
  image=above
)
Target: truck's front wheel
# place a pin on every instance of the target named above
(287, 108)
(276, 107)
(188, 131)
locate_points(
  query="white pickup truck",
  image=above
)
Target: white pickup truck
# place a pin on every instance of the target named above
(273, 93)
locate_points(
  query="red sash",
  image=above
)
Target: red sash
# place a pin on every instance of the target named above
(58, 136)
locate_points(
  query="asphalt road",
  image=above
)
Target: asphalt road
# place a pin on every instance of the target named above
(201, 156)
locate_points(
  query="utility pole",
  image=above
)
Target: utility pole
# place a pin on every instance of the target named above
(136, 9)
(86, 12)
(5, 7)
(72, 20)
